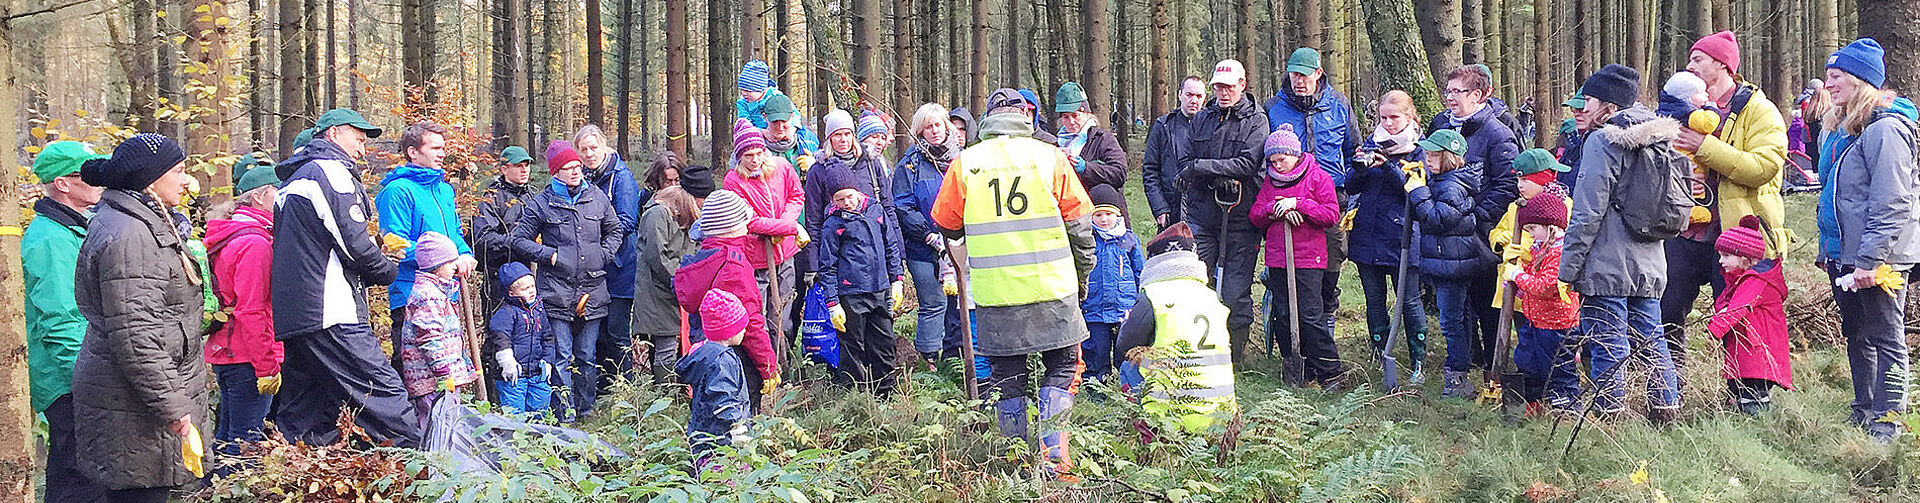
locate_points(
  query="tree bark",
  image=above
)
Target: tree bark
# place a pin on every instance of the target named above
(1439, 35)
(866, 42)
(753, 33)
(1312, 29)
(1161, 91)
(1244, 41)
(1543, 95)
(830, 54)
(721, 91)
(353, 54)
(206, 46)
(1098, 60)
(139, 59)
(622, 96)
(596, 71)
(1637, 51)
(1891, 22)
(1398, 60)
(977, 58)
(333, 75)
(679, 91)
(509, 105)
(1015, 45)
(1473, 29)
(1578, 24)
(17, 442)
(293, 104)
(256, 94)
(904, 60)
(799, 62)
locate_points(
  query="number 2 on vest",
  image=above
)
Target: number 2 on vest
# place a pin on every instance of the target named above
(1206, 330)
(1013, 202)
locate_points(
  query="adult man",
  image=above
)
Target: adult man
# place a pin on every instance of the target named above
(788, 139)
(1166, 143)
(1480, 118)
(49, 250)
(1742, 162)
(609, 173)
(1573, 133)
(1219, 176)
(322, 264)
(1326, 124)
(416, 199)
(1030, 252)
(493, 220)
(1617, 274)
(1092, 149)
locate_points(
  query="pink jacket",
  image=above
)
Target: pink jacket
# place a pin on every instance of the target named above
(1319, 207)
(241, 248)
(776, 200)
(719, 265)
(1750, 318)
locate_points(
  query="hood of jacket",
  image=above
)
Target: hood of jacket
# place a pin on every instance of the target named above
(1173, 265)
(500, 183)
(245, 220)
(1638, 127)
(1006, 124)
(1245, 108)
(966, 122)
(422, 175)
(316, 150)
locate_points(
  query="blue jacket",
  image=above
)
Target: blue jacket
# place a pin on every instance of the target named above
(1113, 287)
(869, 174)
(1491, 145)
(526, 330)
(1451, 244)
(413, 201)
(719, 390)
(1332, 135)
(1380, 199)
(859, 252)
(916, 182)
(581, 229)
(1570, 144)
(618, 184)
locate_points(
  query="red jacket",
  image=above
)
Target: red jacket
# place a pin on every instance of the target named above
(241, 248)
(1318, 208)
(1750, 318)
(721, 264)
(776, 201)
(1549, 304)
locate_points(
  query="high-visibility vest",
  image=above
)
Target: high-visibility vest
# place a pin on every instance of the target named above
(1017, 249)
(1189, 321)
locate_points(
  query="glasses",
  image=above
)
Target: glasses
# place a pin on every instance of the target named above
(1451, 92)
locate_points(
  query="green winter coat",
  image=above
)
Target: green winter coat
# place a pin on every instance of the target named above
(49, 250)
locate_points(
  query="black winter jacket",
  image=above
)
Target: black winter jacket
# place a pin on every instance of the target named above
(1225, 144)
(323, 256)
(578, 234)
(1451, 244)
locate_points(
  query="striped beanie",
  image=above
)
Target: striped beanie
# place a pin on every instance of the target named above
(870, 124)
(754, 77)
(1744, 240)
(746, 137)
(1282, 141)
(723, 211)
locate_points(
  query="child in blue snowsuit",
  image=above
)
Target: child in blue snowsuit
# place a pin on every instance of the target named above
(718, 409)
(1113, 287)
(523, 343)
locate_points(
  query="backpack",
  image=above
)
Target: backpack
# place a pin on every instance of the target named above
(1657, 210)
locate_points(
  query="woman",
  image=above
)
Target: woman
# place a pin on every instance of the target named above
(1381, 212)
(664, 173)
(139, 384)
(1092, 149)
(1867, 227)
(577, 234)
(664, 225)
(608, 172)
(916, 181)
(771, 188)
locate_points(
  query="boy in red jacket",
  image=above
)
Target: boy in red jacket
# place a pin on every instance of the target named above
(1749, 317)
(1297, 197)
(1552, 308)
(721, 264)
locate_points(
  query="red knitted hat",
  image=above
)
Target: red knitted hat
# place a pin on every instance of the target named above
(1745, 240)
(1544, 208)
(1723, 47)
(559, 153)
(722, 316)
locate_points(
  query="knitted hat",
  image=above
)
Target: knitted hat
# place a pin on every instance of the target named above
(1684, 85)
(1615, 83)
(1105, 198)
(1175, 237)
(1282, 141)
(1721, 46)
(870, 124)
(722, 316)
(515, 155)
(697, 180)
(433, 250)
(512, 272)
(1445, 139)
(1535, 160)
(746, 137)
(136, 163)
(835, 179)
(61, 158)
(778, 108)
(559, 153)
(1303, 61)
(1864, 59)
(1745, 240)
(723, 211)
(837, 120)
(257, 177)
(1070, 98)
(1006, 100)
(1544, 208)
(754, 77)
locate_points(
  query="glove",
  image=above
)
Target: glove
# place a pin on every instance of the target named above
(1516, 250)
(1346, 221)
(269, 385)
(949, 280)
(899, 295)
(936, 242)
(1512, 273)
(770, 385)
(1416, 176)
(838, 316)
(1293, 217)
(509, 367)
(804, 162)
(802, 238)
(1285, 204)
(447, 385)
(1888, 280)
(1699, 215)
(193, 451)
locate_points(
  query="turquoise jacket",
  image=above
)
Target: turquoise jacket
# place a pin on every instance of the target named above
(413, 201)
(49, 252)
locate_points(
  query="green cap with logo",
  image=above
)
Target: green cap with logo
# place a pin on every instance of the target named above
(1445, 139)
(346, 117)
(1303, 61)
(62, 158)
(778, 107)
(255, 178)
(1535, 160)
(515, 155)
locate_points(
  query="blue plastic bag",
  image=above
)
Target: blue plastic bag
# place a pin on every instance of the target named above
(818, 339)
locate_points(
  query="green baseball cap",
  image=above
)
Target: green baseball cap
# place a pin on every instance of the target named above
(346, 117)
(305, 137)
(1303, 61)
(515, 155)
(255, 178)
(778, 107)
(1576, 100)
(1535, 160)
(246, 163)
(1070, 98)
(1445, 139)
(62, 158)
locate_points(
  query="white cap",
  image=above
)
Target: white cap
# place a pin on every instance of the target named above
(1229, 72)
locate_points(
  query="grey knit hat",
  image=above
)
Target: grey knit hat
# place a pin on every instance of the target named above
(722, 211)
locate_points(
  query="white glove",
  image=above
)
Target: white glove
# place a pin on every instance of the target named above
(899, 291)
(1293, 217)
(546, 371)
(1286, 204)
(1846, 283)
(936, 242)
(509, 367)
(838, 316)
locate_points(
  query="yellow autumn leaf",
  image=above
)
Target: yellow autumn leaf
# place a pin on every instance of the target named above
(1639, 477)
(80, 112)
(160, 14)
(202, 8)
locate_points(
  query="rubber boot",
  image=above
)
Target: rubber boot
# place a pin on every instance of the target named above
(1012, 414)
(1054, 404)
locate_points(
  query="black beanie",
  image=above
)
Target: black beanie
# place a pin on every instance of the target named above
(1615, 83)
(135, 164)
(697, 180)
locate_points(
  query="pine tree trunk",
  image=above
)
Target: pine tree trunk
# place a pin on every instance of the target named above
(753, 32)
(596, 73)
(206, 46)
(1098, 60)
(508, 105)
(1827, 34)
(1472, 29)
(622, 95)
(904, 60)
(1439, 35)
(1637, 50)
(1398, 60)
(721, 91)
(554, 92)
(1244, 41)
(977, 60)
(799, 62)
(353, 54)
(1543, 95)
(256, 94)
(866, 43)
(1162, 90)
(1312, 29)
(1578, 24)
(17, 442)
(1722, 14)
(830, 54)
(679, 91)
(332, 62)
(1016, 44)
(167, 70)
(139, 59)
(418, 37)
(294, 114)
(1892, 23)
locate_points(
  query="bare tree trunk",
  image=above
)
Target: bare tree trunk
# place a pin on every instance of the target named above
(1543, 95)
(142, 82)
(332, 63)
(596, 71)
(1312, 29)
(353, 53)
(1637, 51)
(829, 56)
(554, 91)
(167, 70)
(866, 43)
(1016, 44)
(622, 98)
(1398, 61)
(720, 86)
(1473, 28)
(17, 442)
(798, 62)
(1892, 23)
(509, 106)
(1243, 48)
(293, 104)
(977, 58)
(753, 33)
(1161, 92)
(1583, 64)
(1098, 60)
(417, 39)
(903, 62)
(679, 92)
(256, 94)
(1439, 35)
(1722, 14)
(207, 47)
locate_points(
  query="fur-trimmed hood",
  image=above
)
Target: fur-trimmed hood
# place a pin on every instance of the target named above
(1638, 127)
(1173, 265)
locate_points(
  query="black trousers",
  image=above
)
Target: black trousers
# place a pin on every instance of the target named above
(1231, 257)
(65, 484)
(1012, 379)
(868, 352)
(1316, 342)
(1484, 319)
(342, 366)
(1690, 265)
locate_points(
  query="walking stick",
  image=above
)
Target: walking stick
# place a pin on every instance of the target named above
(1294, 371)
(1501, 387)
(1389, 368)
(958, 254)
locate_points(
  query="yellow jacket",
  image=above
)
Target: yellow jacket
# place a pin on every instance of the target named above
(1748, 155)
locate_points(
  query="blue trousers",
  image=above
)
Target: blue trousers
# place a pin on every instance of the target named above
(929, 333)
(1617, 329)
(611, 352)
(1455, 308)
(242, 414)
(1545, 357)
(577, 340)
(528, 394)
(1097, 350)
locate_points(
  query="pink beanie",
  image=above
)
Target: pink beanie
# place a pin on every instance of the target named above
(1721, 46)
(745, 137)
(1744, 240)
(722, 316)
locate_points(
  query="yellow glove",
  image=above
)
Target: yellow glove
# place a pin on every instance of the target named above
(1888, 280)
(269, 385)
(393, 243)
(769, 385)
(949, 287)
(1346, 221)
(804, 162)
(1416, 175)
(802, 238)
(447, 385)
(838, 316)
(193, 451)
(899, 295)
(1700, 215)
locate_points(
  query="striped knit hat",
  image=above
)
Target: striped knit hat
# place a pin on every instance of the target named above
(722, 316)
(746, 137)
(1744, 240)
(723, 211)
(754, 77)
(870, 124)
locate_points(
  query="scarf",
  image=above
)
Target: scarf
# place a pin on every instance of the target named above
(849, 157)
(1073, 141)
(783, 146)
(1403, 143)
(1114, 233)
(941, 154)
(1284, 180)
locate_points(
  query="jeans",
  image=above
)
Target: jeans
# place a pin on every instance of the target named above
(528, 394)
(1456, 310)
(929, 333)
(577, 340)
(342, 365)
(1538, 356)
(1875, 326)
(1690, 264)
(1012, 379)
(242, 413)
(1413, 316)
(1316, 342)
(612, 353)
(1622, 328)
(1097, 350)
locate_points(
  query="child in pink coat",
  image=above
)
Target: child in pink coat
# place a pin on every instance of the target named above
(433, 356)
(1749, 317)
(1297, 197)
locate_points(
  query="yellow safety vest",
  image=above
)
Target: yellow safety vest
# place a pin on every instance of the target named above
(1189, 317)
(1017, 249)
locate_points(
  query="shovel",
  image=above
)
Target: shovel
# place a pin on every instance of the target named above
(1504, 386)
(1390, 369)
(958, 254)
(1294, 370)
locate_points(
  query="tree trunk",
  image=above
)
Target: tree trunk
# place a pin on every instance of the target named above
(1312, 29)
(143, 91)
(17, 441)
(799, 62)
(353, 53)
(1637, 51)
(1543, 95)
(1583, 65)
(1827, 32)
(256, 94)
(1098, 60)
(418, 37)
(167, 70)
(206, 46)
(830, 54)
(1722, 14)
(509, 106)
(977, 59)
(553, 78)
(720, 87)
(1439, 35)
(1244, 42)
(596, 71)
(332, 62)
(679, 91)
(622, 97)
(904, 59)
(1015, 45)
(866, 42)
(958, 55)
(293, 104)
(1891, 22)
(1398, 61)
(1161, 91)
(753, 33)
(1472, 29)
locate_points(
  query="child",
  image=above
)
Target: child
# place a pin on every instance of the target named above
(1685, 99)
(1177, 311)
(1451, 251)
(721, 264)
(717, 413)
(1297, 198)
(1113, 287)
(1378, 185)
(1750, 319)
(524, 344)
(1552, 308)
(860, 266)
(433, 356)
